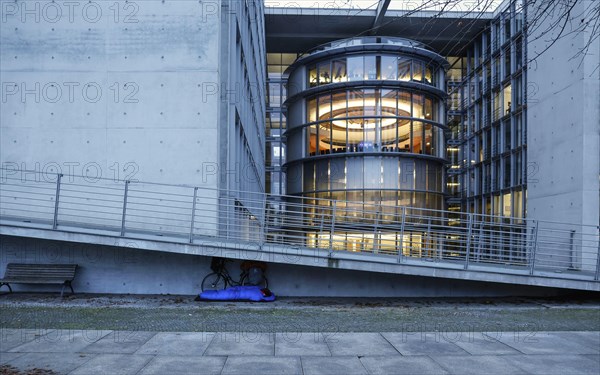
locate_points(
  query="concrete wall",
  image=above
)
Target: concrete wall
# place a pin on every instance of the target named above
(120, 89)
(157, 91)
(563, 139)
(129, 270)
(563, 134)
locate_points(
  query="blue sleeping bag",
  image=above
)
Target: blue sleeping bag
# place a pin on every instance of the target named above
(239, 293)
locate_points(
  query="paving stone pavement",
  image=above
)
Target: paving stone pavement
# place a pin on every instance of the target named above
(310, 353)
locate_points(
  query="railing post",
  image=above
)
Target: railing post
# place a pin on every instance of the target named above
(402, 224)
(469, 233)
(124, 208)
(572, 250)
(56, 198)
(265, 223)
(479, 242)
(597, 275)
(193, 215)
(332, 228)
(533, 248)
(429, 248)
(375, 228)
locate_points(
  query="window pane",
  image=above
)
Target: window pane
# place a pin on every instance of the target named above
(506, 95)
(355, 68)
(417, 137)
(420, 175)
(355, 173)
(322, 175)
(429, 109)
(371, 102)
(389, 67)
(418, 106)
(312, 76)
(388, 102)
(339, 125)
(312, 140)
(404, 69)
(324, 73)
(407, 173)
(311, 110)
(369, 135)
(338, 136)
(417, 71)
(429, 75)
(372, 173)
(324, 107)
(339, 71)
(404, 136)
(390, 173)
(337, 174)
(324, 138)
(428, 139)
(370, 67)
(309, 177)
(404, 103)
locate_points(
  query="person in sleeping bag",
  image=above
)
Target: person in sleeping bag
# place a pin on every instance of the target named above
(239, 293)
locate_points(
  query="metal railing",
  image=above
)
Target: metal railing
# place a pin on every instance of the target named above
(190, 213)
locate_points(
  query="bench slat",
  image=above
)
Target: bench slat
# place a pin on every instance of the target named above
(34, 281)
(16, 272)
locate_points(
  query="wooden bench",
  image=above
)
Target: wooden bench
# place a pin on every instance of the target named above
(20, 273)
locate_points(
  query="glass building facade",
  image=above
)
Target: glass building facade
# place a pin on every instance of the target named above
(487, 116)
(366, 124)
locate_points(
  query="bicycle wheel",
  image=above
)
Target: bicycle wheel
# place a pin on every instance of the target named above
(213, 281)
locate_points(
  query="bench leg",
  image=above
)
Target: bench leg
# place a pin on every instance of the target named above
(8, 285)
(67, 283)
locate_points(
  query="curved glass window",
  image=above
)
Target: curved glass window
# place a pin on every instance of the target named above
(371, 67)
(372, 173)
(371, 120)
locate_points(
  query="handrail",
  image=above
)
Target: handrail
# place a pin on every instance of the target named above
(192, 212)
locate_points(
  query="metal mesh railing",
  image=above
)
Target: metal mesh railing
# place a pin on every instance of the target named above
(190, 213)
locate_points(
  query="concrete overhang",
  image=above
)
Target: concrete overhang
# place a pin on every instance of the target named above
(297, 30)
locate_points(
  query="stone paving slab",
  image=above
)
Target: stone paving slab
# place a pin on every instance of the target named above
(359, 344)
(242, 343)
(301, 344)
(263, 365)
(555, 364)
(591, 339)
(475, 343)
(62, 363)
(477, 365)
(61, 341)
(10, 337)
(66, 352)
(169, 364)
(544, 343)
(113, 364)
(342, 365)
(177, 343)
(422, 344)
(384, 365)
(119, 342)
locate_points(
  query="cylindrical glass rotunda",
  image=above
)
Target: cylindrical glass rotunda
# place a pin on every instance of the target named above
(366, 127)
(366, 123)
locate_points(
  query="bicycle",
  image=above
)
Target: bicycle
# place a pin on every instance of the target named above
(220, 277)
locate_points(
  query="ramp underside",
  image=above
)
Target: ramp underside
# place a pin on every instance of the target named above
(309, 257)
